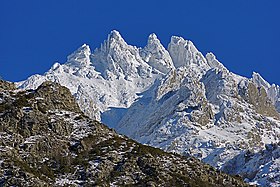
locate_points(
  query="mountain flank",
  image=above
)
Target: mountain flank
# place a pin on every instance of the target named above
(46, 140)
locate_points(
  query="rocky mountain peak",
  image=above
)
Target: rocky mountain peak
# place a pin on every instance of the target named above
(116, 59)
(272, 91)
(115, 35)
(113, 43)
(156, 55)
(153, 39)
(80, 57)
(213, 62)
(259, 81)
(184, 53)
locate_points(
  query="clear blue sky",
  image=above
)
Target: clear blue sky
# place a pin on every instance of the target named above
(243, 34)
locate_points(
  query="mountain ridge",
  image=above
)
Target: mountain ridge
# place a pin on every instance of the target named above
(175, 99)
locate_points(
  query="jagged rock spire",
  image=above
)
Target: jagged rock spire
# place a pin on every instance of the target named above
(156, 55)
(80, 57)
(183, 52)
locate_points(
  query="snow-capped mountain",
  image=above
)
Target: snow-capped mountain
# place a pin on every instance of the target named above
(176, 99)
(111, 76)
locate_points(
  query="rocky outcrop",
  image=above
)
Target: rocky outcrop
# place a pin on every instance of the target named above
(4, 85)
(257, 96)
(45, 140)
